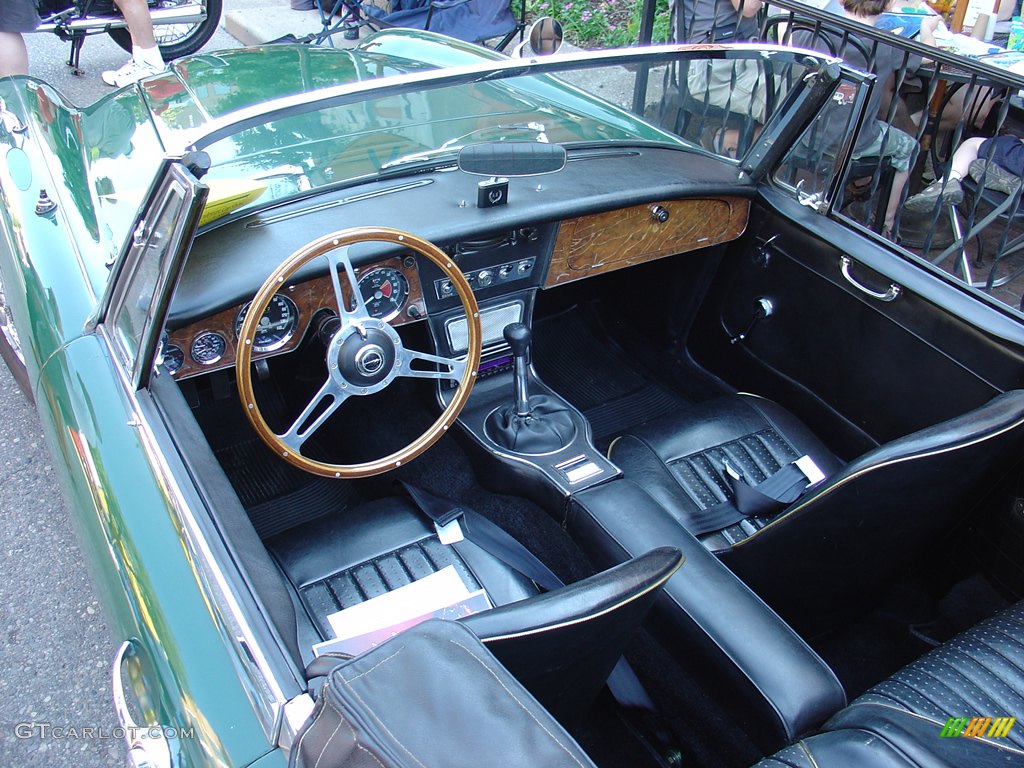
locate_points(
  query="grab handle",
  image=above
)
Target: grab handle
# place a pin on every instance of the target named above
(845, 262)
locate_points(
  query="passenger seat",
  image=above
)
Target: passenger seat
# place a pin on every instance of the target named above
(905, 721)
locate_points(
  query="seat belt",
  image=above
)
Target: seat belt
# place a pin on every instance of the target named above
(623, 682)
(773, 494)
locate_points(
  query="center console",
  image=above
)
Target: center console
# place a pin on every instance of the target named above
(533, 443)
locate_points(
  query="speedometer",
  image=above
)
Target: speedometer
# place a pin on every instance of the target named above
(384, 290)
(276, 327)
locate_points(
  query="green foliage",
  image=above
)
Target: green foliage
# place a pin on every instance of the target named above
(602, 24)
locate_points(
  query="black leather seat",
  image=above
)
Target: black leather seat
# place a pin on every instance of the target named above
(841, 538)
(899, 722)
(561, 645)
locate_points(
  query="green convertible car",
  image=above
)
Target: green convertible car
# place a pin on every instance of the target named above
(421, 406)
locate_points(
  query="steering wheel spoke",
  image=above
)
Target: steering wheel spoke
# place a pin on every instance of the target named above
(364, 357)
(317, 411)
(339, 258)
(448, 369)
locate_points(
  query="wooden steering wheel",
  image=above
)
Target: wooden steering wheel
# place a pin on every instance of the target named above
(363, 357)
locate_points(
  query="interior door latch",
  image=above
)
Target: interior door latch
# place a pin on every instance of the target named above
(813, 200)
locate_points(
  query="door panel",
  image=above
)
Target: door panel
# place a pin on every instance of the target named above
(858, 369)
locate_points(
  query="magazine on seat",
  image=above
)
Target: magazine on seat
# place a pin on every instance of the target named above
(441, 595)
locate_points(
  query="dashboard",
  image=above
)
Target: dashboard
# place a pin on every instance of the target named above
(402, 289)
(608, 209)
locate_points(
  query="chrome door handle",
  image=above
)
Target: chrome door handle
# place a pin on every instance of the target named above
(147, 744)
(845, 262)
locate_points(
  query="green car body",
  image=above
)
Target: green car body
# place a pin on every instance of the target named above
(126, 484)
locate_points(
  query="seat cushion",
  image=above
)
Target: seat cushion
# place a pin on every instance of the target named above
(979, 673)
(680, 459)
(905, 720)
(342, 559)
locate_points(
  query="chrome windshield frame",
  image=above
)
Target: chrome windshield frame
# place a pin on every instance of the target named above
(240, 120)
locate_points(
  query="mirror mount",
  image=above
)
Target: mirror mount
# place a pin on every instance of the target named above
(498, 160)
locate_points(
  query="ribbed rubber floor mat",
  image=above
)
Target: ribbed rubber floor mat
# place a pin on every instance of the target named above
(596, 376)
(615, 417)
(256, 473)
(319, 496)
(578, 366)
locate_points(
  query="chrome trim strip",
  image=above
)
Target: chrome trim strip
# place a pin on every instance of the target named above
(236, 630)
(266, 221)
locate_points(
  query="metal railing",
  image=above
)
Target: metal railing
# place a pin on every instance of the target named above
(939, 98)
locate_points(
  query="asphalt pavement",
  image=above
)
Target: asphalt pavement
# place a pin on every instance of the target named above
(55, 648)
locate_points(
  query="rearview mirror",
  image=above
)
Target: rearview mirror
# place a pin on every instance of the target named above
(512, 158)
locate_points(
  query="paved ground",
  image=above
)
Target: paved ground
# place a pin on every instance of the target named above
(55, 649)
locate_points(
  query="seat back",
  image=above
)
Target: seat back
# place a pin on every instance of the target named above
(857, 530)
(562, 645)
(471, 20)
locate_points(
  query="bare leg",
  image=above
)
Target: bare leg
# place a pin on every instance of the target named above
(140, 24)
(899, 181)
(13, 54)
(965, 154)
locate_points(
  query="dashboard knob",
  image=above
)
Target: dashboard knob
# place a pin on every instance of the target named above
(484, 278)
(659, 214)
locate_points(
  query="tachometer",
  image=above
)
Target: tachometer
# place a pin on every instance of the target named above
(384, 290)
(276, 327)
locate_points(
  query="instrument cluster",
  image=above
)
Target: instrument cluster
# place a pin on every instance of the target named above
(390, 291)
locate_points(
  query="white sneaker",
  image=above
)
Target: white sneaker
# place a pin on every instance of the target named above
(130, 73)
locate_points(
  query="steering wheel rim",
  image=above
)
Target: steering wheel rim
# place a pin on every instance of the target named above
(353, 339)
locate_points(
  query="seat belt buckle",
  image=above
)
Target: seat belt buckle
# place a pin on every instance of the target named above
(811, 471)
(447, 526)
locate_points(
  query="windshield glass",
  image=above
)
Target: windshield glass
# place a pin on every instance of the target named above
(400, 116)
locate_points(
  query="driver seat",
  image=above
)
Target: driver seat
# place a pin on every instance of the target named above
(561, 645)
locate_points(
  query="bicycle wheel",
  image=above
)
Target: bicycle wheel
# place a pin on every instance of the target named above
(177, 40)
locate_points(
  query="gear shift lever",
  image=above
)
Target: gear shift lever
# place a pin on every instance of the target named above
(518, 336)
(530, 425)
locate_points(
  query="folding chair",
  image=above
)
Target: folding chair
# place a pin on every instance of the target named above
(474, 21)
(1006, 207)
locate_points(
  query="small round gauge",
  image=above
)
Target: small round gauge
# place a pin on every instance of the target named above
(276, 327)
(208, 347)
(173, 358)
(384, 291)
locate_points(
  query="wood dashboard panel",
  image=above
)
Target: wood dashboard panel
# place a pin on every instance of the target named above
(310, 297)
(602, 242)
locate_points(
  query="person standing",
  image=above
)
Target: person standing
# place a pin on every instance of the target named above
(16, 16)
(146, 59)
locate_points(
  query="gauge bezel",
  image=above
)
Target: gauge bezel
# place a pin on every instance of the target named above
(199, 337)
(277, 343)
(405, 295)
(168, 355)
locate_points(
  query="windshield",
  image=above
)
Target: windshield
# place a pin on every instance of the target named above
(398, 116)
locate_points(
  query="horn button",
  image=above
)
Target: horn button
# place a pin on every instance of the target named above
(367, 359)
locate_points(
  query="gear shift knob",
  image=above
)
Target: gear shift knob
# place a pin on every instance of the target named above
(518, 337)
